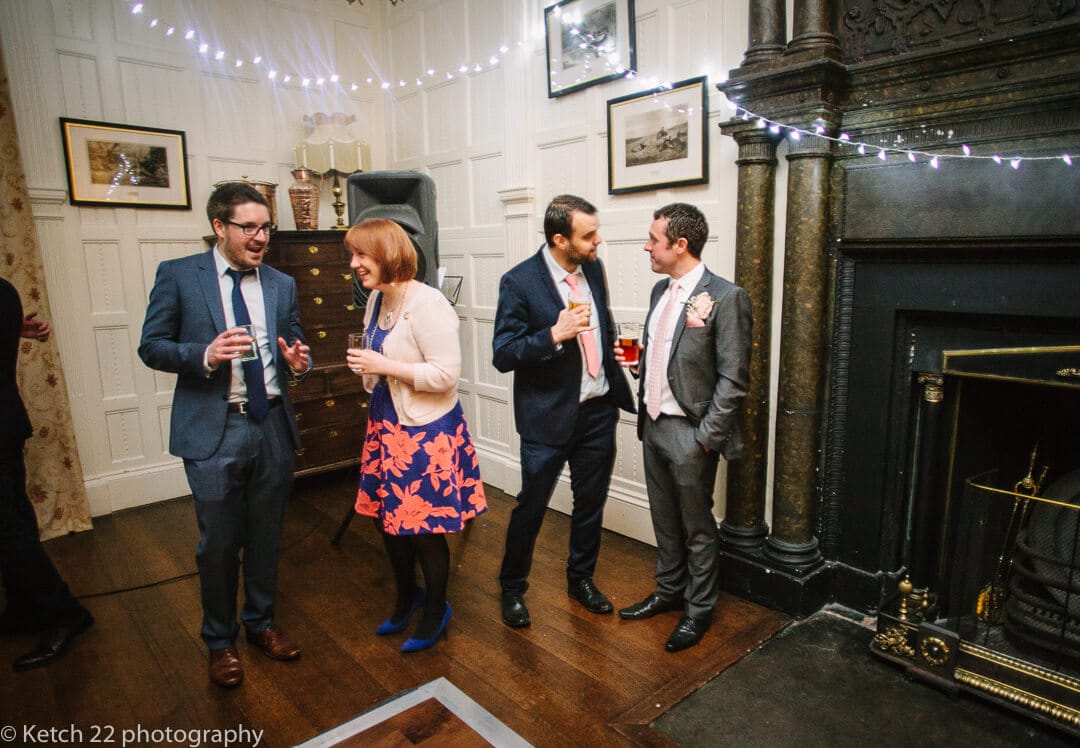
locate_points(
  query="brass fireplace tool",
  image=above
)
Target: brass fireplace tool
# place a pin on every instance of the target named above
(990, 604)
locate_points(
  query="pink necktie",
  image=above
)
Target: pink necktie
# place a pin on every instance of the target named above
(588, 340)
(656, 352)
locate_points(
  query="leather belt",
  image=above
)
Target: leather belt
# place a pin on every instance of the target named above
(242, 407)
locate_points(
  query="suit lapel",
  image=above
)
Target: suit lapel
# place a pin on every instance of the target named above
(269, 291)
(211, 288)
(541, 269)
(680, 323)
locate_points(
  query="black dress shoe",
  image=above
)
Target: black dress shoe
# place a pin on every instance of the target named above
(585, 592)
(514, 613)
(649, 607)
(55, 641)
(687, 633)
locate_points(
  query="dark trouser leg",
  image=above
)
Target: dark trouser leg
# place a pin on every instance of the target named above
(240, 495)
(540, 468)
(402, 555)
(679, 477)
(34, 589)
(268, 491)
(591, 457)
(434, 554)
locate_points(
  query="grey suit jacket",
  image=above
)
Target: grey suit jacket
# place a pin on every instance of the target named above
(184, 314)
(709, 367)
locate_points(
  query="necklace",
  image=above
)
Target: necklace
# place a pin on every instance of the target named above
(390, 313)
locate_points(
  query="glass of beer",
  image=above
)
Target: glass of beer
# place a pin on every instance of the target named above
(630, 342)
(358, 340)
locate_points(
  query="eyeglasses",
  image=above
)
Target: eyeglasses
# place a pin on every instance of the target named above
(251, 229)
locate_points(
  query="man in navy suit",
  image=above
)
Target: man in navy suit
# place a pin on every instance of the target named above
(695, 371)
(567, 394)
(232, 420)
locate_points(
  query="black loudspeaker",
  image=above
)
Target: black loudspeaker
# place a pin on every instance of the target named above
(408, 198)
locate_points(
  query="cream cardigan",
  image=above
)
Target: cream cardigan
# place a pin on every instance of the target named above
(426, 335)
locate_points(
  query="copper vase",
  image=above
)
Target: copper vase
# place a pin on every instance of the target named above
(304, 196)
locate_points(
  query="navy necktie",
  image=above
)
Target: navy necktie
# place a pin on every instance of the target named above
(258, 403)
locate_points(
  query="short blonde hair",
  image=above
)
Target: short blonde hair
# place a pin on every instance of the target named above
(385, 242)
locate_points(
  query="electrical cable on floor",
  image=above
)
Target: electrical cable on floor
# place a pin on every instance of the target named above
(161, 582)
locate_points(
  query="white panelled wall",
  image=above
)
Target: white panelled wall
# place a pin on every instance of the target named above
(497, 147)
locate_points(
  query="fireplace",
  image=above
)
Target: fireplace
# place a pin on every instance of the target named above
(952, 455)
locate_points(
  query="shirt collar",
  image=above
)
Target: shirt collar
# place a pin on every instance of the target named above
(558, 272)
(689, 282)
(222, 265)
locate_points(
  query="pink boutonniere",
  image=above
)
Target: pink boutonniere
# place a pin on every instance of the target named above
(698, 309)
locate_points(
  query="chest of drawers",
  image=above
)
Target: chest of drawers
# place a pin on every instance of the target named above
(331, 405)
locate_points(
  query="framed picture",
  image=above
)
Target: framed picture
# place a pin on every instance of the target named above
(658, 138)
(588, 42)
(125, 166)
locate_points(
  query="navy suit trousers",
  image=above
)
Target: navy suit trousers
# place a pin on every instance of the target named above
(591, 456)
(241, 492)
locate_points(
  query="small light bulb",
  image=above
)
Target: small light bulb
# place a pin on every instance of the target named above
(504, 49)
(934, 162)
(320, 81)
(154, 23)
(385, 85)
(844, 136)
(239, 63)
(203, 48)
(137, 8)
(431, 71)
(861, 149)
(996, 158)
(966, 149)
(354, 86)
(882, 155)
(170, 31)
(774, 129)
(1015, 164)
(287, 78)
(911, 157)
(794, 134)
(190, 34)
(305, 82)
(219, 55)
(1067, 159)
(335, 78)
(819, 130)
(272, 74)
(257, 60)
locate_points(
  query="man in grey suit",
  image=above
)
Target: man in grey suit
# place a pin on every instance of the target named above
(232, 420)
(694, 375)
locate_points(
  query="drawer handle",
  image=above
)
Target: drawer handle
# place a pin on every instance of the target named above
(321, 334)
(334, 435)
(313, 250)
(317, 300)
(364, 404)
(314, 271)
(299, 417)
(346, 276)
(299, 452)
(330, 403)
(350, 307)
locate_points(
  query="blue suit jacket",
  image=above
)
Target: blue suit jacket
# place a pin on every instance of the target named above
(709, 367)
(185, 314)
(547, 379)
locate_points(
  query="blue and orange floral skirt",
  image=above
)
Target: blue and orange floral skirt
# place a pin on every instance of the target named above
(422, 479)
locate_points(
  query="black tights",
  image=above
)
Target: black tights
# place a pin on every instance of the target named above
(433, 553)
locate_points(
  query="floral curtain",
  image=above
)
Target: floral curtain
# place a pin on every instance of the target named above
(54, 477)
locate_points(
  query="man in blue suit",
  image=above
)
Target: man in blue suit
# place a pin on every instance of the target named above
(232, 420)
(567, 394)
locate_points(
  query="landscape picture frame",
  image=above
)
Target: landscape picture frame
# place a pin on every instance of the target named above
(118, 165)
(658, 138)
(588, 42)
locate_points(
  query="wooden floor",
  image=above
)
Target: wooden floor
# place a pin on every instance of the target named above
(572, 678)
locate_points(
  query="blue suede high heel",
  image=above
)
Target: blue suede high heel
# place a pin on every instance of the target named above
(415, 645)
(389, 627)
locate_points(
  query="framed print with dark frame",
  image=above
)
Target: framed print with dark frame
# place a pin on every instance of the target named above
(658, 138)
(125, 165)
(588, 42)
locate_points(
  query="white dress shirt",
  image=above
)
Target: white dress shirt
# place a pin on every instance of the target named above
(590, 387)
(668, 404)
(251, 289)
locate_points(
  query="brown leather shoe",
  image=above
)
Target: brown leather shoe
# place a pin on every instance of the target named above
(274, 644)
(225, 668)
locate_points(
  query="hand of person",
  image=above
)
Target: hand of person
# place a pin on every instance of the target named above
(229, 345)
(571, 323)
(366, 361)
(296, 355)
(620, 359)
(35, 329)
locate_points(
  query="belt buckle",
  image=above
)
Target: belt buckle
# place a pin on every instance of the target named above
(242, 407)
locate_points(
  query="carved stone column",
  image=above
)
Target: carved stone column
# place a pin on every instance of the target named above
(802, 358)
(813, 34)
(768, 31)
(744, 521)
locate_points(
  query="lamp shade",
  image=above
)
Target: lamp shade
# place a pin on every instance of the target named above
(331, 147)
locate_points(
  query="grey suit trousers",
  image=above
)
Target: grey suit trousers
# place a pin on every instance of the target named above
(679, 476)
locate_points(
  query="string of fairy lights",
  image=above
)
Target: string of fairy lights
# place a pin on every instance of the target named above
(933, 159)
(198, 42)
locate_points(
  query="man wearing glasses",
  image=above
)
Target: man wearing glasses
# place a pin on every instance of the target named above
(229, 328)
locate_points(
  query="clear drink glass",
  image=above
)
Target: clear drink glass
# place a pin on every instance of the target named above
(630, 342)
